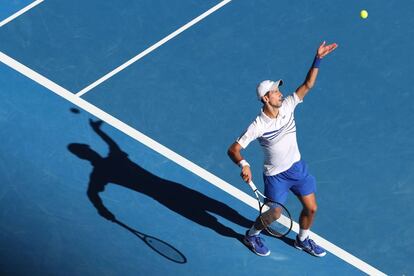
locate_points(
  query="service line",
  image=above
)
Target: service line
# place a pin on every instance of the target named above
(152, 48)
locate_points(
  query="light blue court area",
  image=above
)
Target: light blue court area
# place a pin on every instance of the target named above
(195, 95)
(9, 7)
(50, 225)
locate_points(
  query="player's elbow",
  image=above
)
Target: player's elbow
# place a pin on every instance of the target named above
(309, 85)
(230, 152)
(233, 150)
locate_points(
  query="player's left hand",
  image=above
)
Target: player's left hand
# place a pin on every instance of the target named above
(323, 49)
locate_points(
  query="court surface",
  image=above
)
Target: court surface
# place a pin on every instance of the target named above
(174, 84)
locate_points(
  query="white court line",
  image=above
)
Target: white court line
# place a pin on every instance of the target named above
(20, 12)
(152, 48)
(183, 162)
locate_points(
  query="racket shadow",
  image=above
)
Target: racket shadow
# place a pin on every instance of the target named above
(117, 168)
(161, 247)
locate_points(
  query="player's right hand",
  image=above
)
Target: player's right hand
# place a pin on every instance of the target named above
(246, 174)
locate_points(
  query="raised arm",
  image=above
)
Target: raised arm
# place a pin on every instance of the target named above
(96, 126)
(309, 82)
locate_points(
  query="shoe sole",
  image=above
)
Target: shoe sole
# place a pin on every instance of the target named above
(254, 251)
(310, 252)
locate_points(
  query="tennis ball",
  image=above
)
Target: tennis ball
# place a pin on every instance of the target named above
(364, 14)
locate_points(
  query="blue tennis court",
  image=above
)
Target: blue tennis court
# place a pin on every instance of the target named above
(125, 109)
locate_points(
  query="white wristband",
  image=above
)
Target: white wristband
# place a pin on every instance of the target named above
(243, 163)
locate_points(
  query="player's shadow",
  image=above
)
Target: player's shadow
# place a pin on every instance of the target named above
(117, 168)
(286, 239)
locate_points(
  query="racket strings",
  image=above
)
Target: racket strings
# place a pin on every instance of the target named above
(276, 219)
(272, 214)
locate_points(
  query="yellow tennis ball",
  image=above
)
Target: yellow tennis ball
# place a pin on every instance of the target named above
(364, 14)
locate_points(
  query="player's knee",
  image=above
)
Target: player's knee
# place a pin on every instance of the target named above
(276, 212)
(311, 210)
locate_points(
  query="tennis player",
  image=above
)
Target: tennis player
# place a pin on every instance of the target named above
(284, 169)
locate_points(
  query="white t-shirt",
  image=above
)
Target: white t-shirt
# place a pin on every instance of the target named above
(277, 137)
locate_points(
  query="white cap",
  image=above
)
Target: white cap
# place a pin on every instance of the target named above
(265, 86)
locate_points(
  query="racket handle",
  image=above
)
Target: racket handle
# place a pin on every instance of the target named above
(251, 184)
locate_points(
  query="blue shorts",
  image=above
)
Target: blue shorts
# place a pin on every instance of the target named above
(296, 178)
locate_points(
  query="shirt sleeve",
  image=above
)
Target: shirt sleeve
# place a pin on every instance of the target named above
(249, 135)
(292, 101)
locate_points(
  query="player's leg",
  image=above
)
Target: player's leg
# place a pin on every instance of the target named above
(305, 191)
(308, 212)
(277, 190)
(253, 240)
(270, 215)
(303, 242)
(304, 187)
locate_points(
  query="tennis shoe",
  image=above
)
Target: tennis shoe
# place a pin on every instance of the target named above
(255, 243)
(310, 246)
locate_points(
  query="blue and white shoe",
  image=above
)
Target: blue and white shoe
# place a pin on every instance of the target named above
(310, 246)
(255, 243)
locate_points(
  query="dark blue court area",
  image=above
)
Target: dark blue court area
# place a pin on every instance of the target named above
(79, 196)
(8, 8)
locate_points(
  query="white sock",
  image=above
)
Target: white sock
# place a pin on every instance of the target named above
(253, 231)
(303, 234)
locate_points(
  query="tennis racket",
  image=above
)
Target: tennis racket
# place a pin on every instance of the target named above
(274, 216)
(161, 247)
